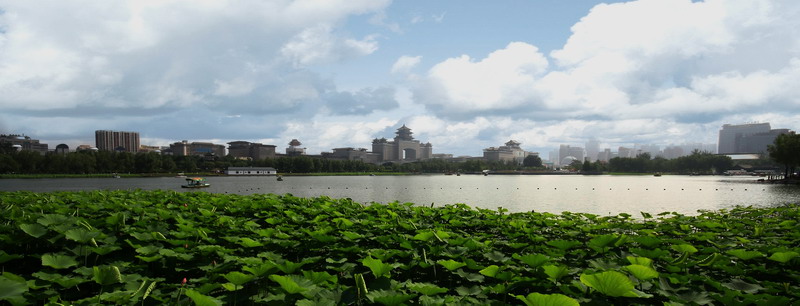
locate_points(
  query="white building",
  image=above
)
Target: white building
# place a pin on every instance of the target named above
(251, 171)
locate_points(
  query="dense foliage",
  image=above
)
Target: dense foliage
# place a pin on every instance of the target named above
(786, 151)
(163, 247)
(90, 162)
(697, 162)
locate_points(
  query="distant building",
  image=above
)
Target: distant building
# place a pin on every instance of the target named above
(758, 143)
(576, 153)
(85, 147)
(404, 148)
(148, 149)
(184, 148)
(62, 149)
(250, 150)
(592, 149)
(624, 152)
(730, 134)
(348, 153)
(605, 156)
(251, 171)
(117, 141)
(294, 148)
(510, 152)
(23, 142)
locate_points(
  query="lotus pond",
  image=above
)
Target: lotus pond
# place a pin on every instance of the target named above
(165, 247)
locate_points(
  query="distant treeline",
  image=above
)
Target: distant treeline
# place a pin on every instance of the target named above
(94, 162)
(697, 162)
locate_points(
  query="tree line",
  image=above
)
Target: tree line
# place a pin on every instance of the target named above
(696, 163)
(99, 162)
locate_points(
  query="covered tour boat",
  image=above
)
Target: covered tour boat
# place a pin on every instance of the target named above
(195, 182)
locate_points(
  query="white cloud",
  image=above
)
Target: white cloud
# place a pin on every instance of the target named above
(503, 80)
(405, 64)
(132, 55)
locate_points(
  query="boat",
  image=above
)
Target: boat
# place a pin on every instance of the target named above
(657, 174)
(180, 175)
(280, 178)
(195, 182)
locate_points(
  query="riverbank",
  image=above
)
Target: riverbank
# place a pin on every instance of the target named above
(165, 247)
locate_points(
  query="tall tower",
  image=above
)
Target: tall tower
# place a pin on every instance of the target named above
(404, 133)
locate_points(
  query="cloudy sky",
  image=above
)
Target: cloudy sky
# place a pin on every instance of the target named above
(463, 75)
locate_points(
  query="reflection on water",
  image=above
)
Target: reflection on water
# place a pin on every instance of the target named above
(591, 194)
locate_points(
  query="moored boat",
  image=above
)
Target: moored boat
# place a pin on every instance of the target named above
(195, 182)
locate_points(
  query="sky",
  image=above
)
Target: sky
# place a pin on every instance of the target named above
(463, 75)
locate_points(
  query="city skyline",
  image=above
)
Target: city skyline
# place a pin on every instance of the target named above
(464, 76)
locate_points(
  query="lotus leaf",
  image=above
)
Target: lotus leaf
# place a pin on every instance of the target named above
(34, 230)
(426, 288)
(783, 257)
(58, 261)
(377, 267)
(538, 299)
(744, 254)
(611, 283)
(451, 264)
(642, 272)
(202, 300)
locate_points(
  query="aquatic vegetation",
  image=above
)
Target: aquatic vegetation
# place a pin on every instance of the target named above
(164, 247)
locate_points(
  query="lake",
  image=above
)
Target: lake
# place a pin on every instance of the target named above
(597, 194)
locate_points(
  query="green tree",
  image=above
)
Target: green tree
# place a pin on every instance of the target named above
(532, 161)
(786, 151)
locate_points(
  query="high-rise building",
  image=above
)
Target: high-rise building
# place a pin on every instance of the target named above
(117, 141)
(592, 149)
(251, 150)
(22, 142)
(184, 148)
(730, 133)
(568, 154)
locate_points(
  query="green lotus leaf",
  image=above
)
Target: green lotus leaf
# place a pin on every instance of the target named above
(783, 257)
(611, 283)
(202, 300)
(684, 248)
(473, 277)
(63, 281)
(81, 234)
(13, 288)
(107, 275)
(377, 267)
(451, 264)
(740, 285)
(496, 256)
(261, 269)
(554, 273)
(58, 261)
(34, 230)
(320, 277)
(640, 261)
(238, 278)
(532, 260)
(648, 241)
(642, 272)
(249, 243)
(426, 288)
(603, 241)
(389, 298)
(4, 257)
(290, 284)
(538, 299)
(564, 244)
(710, 259)
(147, 250)
(490, 271)
(52, 219)
(424, 236)
(744, 254)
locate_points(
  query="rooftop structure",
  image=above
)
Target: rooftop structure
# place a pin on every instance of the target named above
(404, 148)
(22, 142)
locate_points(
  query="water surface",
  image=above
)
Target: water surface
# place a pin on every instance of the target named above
(601, 195)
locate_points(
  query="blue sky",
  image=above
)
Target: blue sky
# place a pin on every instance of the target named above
(463, 75)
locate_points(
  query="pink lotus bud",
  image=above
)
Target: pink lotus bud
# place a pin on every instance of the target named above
(183, 282)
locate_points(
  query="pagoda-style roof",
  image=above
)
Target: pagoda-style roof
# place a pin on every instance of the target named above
(295, 143)
(404, 133)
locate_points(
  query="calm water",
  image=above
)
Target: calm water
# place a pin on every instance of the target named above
(592, 194)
